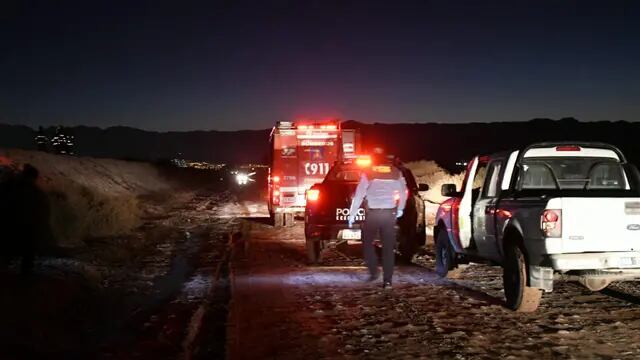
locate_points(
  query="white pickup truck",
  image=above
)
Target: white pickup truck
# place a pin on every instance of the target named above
(551, 208)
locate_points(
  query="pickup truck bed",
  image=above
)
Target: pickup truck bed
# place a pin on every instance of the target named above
(571, 208)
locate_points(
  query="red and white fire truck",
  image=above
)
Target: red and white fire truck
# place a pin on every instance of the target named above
(301, 155)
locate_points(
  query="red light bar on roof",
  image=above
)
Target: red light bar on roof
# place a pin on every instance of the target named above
(317, 126)
(568, 148)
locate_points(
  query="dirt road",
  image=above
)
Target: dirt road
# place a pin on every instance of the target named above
(281, 308)
(209, 278)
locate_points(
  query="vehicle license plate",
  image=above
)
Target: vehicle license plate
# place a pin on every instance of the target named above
(349, 234)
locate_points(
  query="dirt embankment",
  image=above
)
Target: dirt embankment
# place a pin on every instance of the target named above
(430, 173)
(93, 197)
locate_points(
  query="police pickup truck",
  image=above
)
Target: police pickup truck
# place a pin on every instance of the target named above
(548, 209)
(327, 211)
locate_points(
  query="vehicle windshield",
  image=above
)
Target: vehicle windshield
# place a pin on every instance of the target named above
(344, 173)
(572, 173)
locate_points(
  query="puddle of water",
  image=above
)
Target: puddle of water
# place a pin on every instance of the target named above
(334, 276)
(197, 287)
(180, 268)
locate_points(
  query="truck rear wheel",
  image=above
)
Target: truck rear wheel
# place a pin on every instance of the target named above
(518, 295)
(445, 257)
(314, 250)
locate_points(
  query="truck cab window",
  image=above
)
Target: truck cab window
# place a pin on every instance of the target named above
(491, 183)
(577, 173)
(537, 176)
(478, 181)
(607, 176)
(343, 174)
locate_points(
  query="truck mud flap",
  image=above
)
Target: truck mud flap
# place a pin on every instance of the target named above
(541, 277)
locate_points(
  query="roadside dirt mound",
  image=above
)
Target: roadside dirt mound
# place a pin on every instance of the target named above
(432, 174)
(92, 197)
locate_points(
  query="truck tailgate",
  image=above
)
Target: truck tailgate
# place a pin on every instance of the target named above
(600, 224)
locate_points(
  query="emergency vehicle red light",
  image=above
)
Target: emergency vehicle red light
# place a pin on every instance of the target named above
(363, 161)
(332, 127)
(302, 127)
(313, 194)
(276, 179)
(276, 193)
(568, 148)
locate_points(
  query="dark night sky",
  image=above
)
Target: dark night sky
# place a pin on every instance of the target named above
(243, 65)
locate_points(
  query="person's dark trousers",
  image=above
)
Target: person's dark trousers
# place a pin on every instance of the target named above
(28, 257)
(381, 221)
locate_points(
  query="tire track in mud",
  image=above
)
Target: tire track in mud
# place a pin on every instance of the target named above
(195, 343)
(169, 324)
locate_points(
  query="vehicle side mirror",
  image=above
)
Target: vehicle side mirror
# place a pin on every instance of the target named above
(423, 187)
(448, 190)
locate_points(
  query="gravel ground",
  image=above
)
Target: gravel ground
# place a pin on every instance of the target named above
(282, 308)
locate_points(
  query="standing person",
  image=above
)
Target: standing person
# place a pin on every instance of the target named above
(385, 191)
(28, 217)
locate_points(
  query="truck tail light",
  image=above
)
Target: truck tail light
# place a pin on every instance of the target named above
(276, 195)
(551, 223)
(276, 179)
(568, 148)
(313, 194)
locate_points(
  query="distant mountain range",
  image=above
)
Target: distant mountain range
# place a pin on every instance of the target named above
(445, 143)
(129, 143)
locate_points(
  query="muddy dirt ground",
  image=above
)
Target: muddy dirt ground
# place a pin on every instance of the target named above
(282, 308)
(207, 277)
(145, 295)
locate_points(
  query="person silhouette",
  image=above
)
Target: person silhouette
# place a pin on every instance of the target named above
(25, 212)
